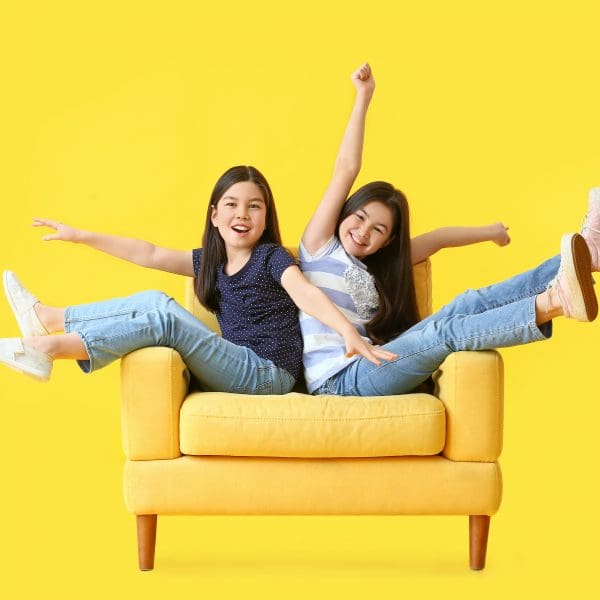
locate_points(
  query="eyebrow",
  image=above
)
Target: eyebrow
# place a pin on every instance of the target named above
(368, 215)
(257, 199)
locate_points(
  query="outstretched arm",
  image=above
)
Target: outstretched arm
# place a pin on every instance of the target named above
(315, 303)
(321, 226)
(136, 251)
(424, 246)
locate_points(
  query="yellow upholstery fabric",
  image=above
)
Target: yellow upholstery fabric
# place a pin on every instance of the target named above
(153, 386)
(471, 386)
(388, 486)
(299, 425)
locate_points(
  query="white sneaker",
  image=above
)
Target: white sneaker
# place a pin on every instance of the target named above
(573, 283)
(22, 302)
(26, 360)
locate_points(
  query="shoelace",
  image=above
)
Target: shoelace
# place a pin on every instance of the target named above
(585, 227)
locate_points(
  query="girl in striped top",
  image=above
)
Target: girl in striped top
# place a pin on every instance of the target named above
(360, 254)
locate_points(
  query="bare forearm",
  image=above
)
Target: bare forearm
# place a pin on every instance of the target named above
(424, 246)
(315, 303)
(452, 237)
(133, 250)
(349, 158)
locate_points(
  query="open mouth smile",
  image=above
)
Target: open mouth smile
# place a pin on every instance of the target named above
(357, 241)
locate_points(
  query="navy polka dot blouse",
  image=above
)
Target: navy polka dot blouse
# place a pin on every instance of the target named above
(255, 311)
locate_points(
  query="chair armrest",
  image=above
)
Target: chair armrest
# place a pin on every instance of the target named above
(154, 383)
(471, 386)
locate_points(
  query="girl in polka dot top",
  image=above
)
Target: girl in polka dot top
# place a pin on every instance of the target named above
(241, 273)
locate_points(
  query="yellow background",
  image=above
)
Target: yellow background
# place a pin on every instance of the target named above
(120, 116)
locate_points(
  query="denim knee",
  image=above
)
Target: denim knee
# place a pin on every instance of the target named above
(469, 302)
(152, 298)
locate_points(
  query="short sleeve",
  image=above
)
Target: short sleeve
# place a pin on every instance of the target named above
(331, 245)
(279, 260)
(196, 259)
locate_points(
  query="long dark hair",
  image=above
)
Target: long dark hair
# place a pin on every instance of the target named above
(213, 246)
(391, 266)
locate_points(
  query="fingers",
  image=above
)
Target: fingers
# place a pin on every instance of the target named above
(365, 354)
(373, 354)
(363, 72)
(37, 222)
(385, 354)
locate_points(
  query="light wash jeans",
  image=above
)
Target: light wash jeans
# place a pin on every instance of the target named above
(497, 316)
(113, 328)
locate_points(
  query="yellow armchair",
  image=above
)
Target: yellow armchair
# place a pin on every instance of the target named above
(296, 454)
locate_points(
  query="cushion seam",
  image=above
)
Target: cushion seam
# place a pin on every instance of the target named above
(390, 417)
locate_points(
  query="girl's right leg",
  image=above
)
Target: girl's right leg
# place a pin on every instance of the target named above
(476, 301)
(109, 330)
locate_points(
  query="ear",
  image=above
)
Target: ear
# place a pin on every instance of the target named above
(213, 215)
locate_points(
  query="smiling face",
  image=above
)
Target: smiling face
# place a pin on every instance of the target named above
(240, 215)
(367, 230)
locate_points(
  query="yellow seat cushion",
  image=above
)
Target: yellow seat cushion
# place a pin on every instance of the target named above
(298, 425)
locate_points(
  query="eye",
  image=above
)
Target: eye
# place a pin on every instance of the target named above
(359, 216)
(379, 230)
(256, 205)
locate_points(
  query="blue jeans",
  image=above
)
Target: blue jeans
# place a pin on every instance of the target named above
(111, 329)
(497, 316)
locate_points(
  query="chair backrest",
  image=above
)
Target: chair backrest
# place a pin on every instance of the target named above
(422, 274)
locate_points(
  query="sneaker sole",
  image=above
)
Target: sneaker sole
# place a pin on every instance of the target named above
(578, 271)
(15, 366)
(26, 331)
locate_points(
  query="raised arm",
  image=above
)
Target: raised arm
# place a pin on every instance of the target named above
(424, 246)
(321, 226)
(136, 251)
(315, 303)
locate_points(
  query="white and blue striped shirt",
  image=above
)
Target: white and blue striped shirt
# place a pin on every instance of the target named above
(348, 284)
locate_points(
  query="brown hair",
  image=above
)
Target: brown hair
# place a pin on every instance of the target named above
(391, 266)
(213, 246)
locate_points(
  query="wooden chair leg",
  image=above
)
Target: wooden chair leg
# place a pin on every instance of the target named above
(479, 527)
(146, 536)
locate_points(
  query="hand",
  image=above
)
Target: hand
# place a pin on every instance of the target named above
(363, 80)
(499, 234)
(355, 344)
(63, 232)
